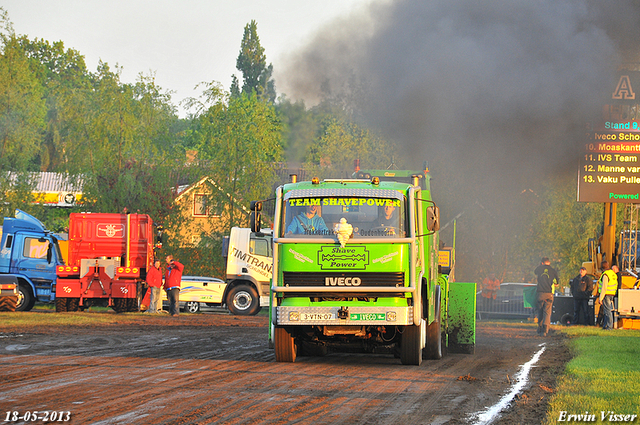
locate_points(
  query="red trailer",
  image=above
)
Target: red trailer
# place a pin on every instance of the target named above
(107, 261)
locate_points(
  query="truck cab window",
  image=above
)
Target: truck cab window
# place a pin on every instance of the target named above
(367, 216)
(34, 248)
(259, 247)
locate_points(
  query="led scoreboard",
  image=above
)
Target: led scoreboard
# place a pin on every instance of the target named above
(610, 161)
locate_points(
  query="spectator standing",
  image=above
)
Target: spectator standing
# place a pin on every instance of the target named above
(490, 286)
(154, 280)
(172, 279)
(607, 287)
(547, 280)
(581, 289)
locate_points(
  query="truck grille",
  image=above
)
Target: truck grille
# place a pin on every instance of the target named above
(331, 279)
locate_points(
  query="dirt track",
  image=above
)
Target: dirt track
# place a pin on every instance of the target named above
(216, 368)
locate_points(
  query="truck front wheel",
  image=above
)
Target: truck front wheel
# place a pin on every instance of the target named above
(25, 299)
(411, 345)
(243, 300)
(286, 349)
(434, 336)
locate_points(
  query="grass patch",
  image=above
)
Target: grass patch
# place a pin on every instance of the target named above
(604, 375)
(24, 321)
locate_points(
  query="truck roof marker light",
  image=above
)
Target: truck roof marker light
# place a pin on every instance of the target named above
(375, 180)
(315, 180)
(135, 270)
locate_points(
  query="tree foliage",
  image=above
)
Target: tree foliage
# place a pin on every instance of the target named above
(22, 105)
(340, 142)
(252, 63)
(238, 141)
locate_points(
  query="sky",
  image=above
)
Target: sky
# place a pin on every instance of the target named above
(183, 42)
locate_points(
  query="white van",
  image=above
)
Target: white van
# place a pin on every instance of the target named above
(197, 292)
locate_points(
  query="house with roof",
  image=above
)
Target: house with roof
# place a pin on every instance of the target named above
(206, 207)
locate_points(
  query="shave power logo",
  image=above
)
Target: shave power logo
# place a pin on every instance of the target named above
(353, 257)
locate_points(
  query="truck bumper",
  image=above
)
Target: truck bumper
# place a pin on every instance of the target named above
(343, 316)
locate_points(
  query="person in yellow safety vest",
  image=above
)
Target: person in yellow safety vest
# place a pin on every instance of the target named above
(607, 287)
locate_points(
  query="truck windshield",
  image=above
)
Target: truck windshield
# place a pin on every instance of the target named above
(323, 216)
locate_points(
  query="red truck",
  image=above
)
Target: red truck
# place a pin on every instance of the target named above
(108, 257)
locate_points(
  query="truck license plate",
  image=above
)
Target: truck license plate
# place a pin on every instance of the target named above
(312, 317)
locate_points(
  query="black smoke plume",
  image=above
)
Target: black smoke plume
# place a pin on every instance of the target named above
(494, 95)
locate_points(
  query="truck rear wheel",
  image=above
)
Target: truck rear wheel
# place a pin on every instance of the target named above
(8, 303)
(132, 305)
(285, 343)
(73, 304)
(61, 305)
(25, 299)
(411, 345)
(243, 300)
(119, 305)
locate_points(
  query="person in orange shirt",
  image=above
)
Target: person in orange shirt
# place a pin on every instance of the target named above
(154, 280)
(490, 286)
(172, 279)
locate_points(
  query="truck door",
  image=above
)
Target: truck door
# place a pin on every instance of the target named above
(260, 247)
(36, 258)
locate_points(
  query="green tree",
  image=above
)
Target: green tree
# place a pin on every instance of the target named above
(64, 76)
(299, 128)
(16, 191)
(129, 161)
(239, 140)
(22, 106)
(252, 62)
(341, 142)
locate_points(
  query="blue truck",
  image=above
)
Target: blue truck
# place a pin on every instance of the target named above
(29, 256)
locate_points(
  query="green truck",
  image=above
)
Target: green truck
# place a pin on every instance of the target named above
(355, 268)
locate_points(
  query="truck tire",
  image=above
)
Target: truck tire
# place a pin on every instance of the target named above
(119, 305)
(285, 344)
(132, 305)
(61, 305)
(73, 304)
(191, 307)
(243, 300)
(433, 349)
(8, 303)
(411, 345)
(25, 299)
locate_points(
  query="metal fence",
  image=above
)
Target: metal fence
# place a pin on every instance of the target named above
(511, 301)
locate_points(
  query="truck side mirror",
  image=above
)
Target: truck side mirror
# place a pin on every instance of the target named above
(433, 218)
(255, 216)
(159, 236)
(49, 253)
